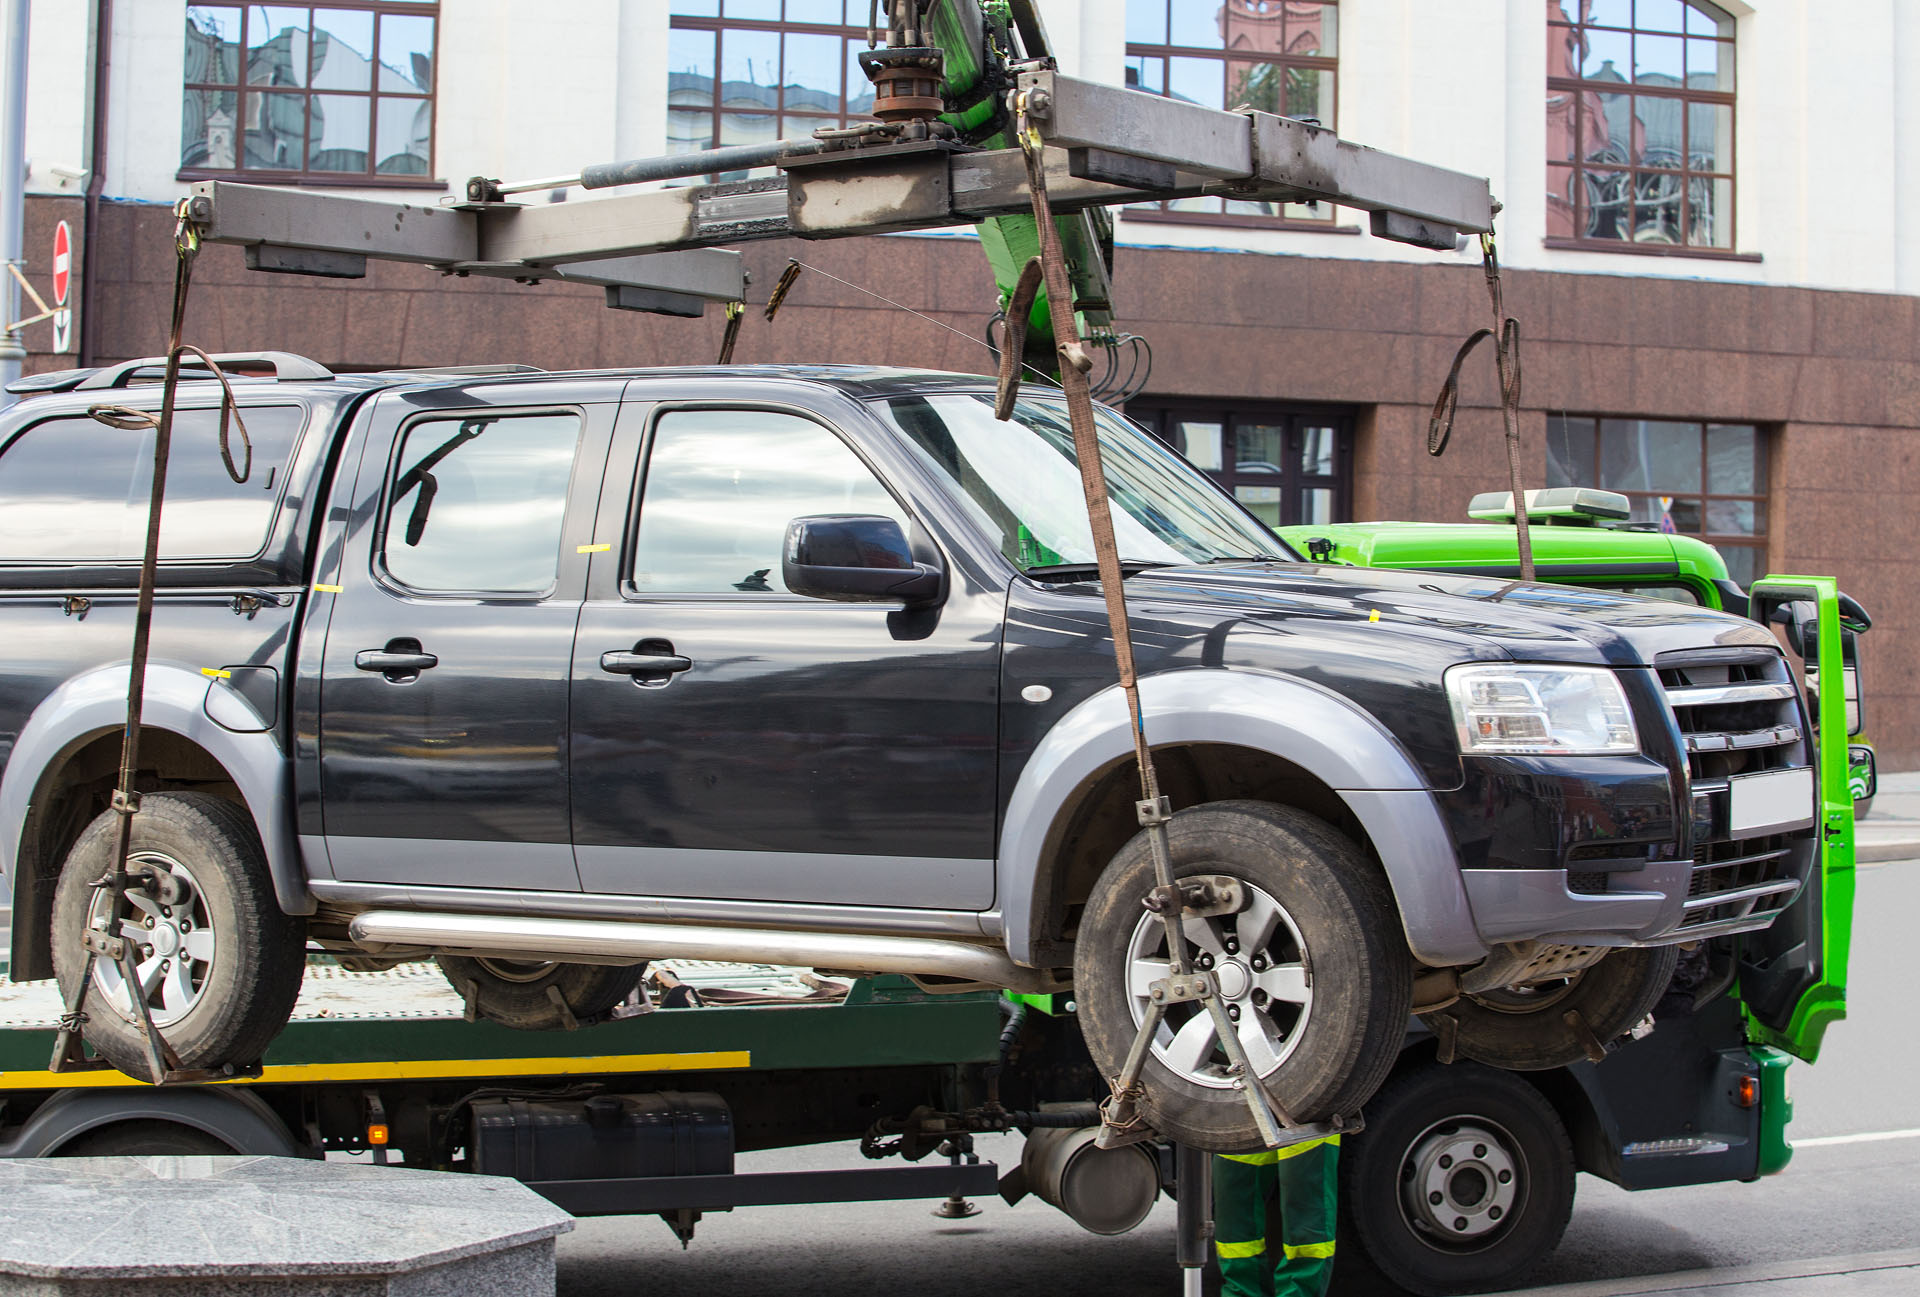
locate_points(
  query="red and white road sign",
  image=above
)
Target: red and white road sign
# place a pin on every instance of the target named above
(62, 263)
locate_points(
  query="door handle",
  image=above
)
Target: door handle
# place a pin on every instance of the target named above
(402, 660)
(627, 664)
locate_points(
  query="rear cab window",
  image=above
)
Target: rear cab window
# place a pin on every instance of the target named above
(74, 490)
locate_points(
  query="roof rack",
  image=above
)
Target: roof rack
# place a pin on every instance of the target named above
(467, 371)
(286, 366)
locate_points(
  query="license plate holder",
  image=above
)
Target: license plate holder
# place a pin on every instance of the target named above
(1775, 799)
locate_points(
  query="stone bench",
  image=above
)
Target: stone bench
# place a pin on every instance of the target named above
(193, 1226)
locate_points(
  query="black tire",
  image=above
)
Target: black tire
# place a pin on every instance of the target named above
(1485, 1233)
(1337, 934)
(517, 994)
(1527, 1030)
(144, 1139)
(214, 1011)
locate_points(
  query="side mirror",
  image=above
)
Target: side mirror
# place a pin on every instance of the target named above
(1801, 620)
(1863, 775)
(856, 558)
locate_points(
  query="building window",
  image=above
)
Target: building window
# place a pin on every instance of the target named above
(1697, 479)
(341, 93)
(1277, 56)
(1285, 465)
(1640, 124)
(754, 71)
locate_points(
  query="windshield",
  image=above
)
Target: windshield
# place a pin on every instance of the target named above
(1021, 482)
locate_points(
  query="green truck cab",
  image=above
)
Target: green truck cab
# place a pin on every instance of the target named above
(1790, 980)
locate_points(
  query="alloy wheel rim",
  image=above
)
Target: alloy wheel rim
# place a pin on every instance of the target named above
(174, 945)
(1262, 968)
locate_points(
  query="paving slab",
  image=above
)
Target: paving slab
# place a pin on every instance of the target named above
(1869, 1274)
(1892, 830)
(237, 1226)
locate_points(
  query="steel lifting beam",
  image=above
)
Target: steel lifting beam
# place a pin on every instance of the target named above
(299, 232)
(1104, 146)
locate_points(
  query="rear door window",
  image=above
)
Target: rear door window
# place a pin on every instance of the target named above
(75, 489)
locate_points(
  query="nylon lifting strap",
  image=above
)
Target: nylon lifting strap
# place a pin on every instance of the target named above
(68, 1051)
(1506, 358)
(1121, 1118)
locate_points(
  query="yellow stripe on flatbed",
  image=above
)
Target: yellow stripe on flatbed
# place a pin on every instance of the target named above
(290, 1073)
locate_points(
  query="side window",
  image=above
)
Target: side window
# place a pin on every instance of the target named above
(477, 502)
(76, 489)
(720, 488)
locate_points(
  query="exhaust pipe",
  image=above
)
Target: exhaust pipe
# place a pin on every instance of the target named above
(505, 936)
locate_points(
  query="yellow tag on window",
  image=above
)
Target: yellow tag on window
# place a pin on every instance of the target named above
(216, 673)
(328, 589)
(594, 549)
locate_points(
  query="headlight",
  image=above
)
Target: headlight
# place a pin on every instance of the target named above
(1574, 711)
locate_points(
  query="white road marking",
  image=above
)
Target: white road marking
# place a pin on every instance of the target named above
(1870, 1137)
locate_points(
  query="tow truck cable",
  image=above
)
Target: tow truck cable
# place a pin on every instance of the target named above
(1506, 359)
(69, 1050)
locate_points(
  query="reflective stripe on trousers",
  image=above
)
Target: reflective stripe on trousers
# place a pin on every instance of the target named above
(1280, 1202)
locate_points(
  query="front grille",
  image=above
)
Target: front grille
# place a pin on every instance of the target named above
(1739, 713)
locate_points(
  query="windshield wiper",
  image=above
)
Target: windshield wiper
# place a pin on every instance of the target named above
(1247, 558)
(1128, 566)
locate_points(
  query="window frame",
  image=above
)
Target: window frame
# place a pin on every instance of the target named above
(636, 501)
(390, 479)
(1157, 414)
(1161, 213)
(304, 175)
(1577, 91)
(1759, 541)
(721, 24)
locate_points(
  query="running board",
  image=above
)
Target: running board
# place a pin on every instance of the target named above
(505, 936)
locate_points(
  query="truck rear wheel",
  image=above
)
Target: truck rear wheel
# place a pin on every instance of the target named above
(530, 995)
(1528, 1029)
(219, 963)
(1461, 1182)
(1314, 971)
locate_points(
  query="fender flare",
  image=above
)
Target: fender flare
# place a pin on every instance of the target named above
(1312, 727)
(95, 703)
(240, 1118)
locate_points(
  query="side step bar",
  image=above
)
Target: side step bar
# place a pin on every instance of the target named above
(513, 937)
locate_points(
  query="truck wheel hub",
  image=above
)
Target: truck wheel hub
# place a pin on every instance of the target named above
(1234, 980)
(1460, 1184)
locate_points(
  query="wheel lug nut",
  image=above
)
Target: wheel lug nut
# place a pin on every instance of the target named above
(1260, 999)
(1506, 1177)
(1232, 946)
(148, 921)
(1479, 1150)
(1493, 1213)
(1233, 1012)
(1206, 960)
(1445, 1161)
(1459, 1222)
(1435, 1198)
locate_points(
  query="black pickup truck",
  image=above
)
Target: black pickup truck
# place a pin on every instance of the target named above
(545, 675)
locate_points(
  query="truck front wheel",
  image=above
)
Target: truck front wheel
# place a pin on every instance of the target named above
(537, 996)
(1552, 1024)
(218, 962)
(1461, 1182)
(1313, 969)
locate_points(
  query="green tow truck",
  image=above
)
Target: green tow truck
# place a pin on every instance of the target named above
(1759, 998)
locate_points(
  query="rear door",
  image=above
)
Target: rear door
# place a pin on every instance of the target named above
(789, 750)
(1793, 976)
(443, 734)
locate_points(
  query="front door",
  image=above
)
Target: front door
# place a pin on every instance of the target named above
(443, 737)
(735, 741)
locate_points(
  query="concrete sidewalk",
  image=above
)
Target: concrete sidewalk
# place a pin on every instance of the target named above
(1892, 831)
(1869, 1274)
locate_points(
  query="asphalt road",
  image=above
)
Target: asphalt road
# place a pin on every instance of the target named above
(1837, 1199)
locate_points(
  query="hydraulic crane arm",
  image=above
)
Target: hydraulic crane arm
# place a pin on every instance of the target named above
(943, 155)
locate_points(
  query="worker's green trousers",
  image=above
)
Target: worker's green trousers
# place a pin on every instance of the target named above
(1273, 1218)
